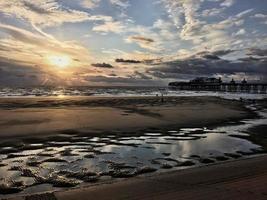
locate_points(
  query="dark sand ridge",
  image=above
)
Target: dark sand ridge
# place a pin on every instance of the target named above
(42, 116)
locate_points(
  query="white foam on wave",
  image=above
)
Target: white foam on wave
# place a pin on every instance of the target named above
(119, 92)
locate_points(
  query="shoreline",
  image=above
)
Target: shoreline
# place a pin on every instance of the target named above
(171, 93)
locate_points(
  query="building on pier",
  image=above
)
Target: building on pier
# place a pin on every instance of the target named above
(216, 84)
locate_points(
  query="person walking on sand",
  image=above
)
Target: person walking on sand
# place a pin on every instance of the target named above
(162, 92)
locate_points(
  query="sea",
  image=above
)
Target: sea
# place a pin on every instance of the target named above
(8, 92)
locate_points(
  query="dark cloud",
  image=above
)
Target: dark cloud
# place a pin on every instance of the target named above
(152, 61)
(113, 74)
(120, 60)
(257, 52)
(123, 81)
(250, 59)
(222, 52)
(102, 65)
(212, 57)
(141, 39)
(206, 65)
(140, 75)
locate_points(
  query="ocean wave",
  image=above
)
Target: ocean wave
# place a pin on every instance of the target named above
(117, 91)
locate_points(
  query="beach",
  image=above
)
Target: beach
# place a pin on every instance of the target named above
(42, 116)
(69, 147)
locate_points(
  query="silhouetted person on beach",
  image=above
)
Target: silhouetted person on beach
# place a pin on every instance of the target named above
(161, 98)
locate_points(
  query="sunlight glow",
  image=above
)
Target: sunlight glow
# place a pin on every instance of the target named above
(60, 61)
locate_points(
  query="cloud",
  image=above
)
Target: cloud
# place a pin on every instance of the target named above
(14, 73)
(212, 12)
(140, 75)
(175, 11)
(113, 74)
(243, 13)
(120, 60)
(166, 29)
(42, 13)
(228, 3)
(210, 24)
(250, 59)
(211, 57)
(260, 16)
(240, 32)
(27, 47)
(110, 26)
(122, 81)
(102, 65)
(36, 8)
(122, 3)
(90, 3)
(257, 52)
(209, 65)
(144, 42)
(138, 38)
(222, 52)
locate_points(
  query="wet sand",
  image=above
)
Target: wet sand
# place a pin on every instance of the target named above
(243, 179)
(43, 116)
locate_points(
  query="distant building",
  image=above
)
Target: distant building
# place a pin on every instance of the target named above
(205, 80)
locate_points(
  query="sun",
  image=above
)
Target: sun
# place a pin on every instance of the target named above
(60, 61)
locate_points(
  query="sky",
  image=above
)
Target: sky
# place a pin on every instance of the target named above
(131, 42)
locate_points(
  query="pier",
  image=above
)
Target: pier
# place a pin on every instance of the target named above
(214, 84)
